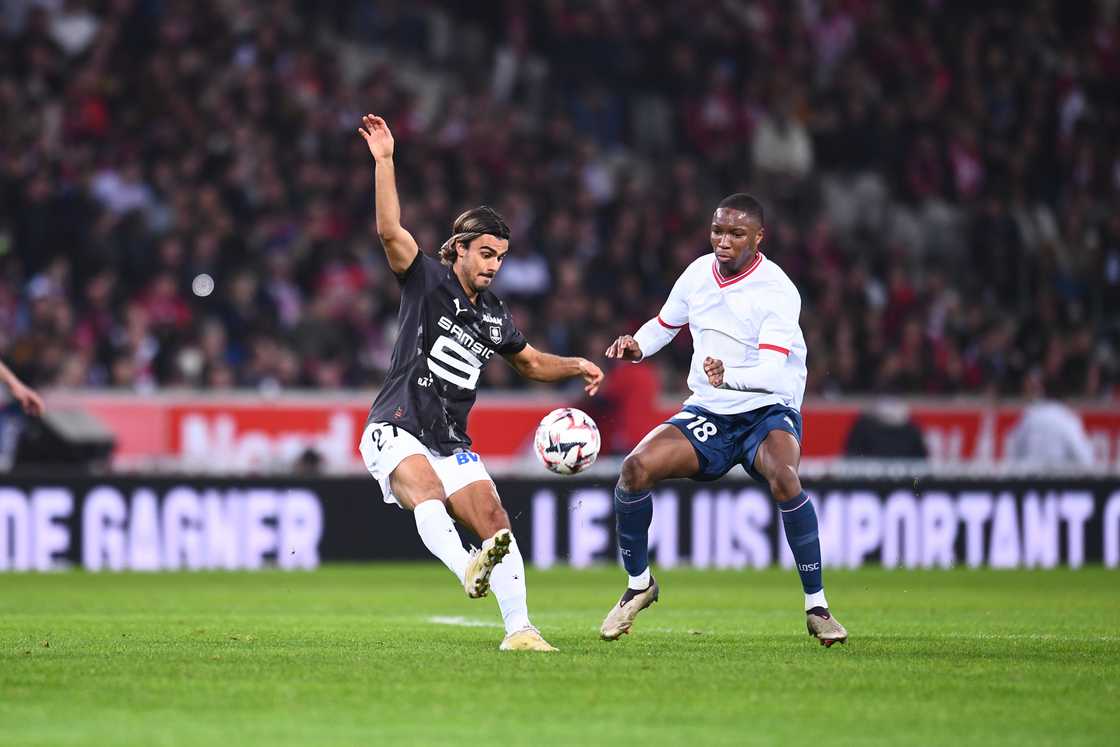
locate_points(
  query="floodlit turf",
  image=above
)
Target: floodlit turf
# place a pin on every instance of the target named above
(365, 655)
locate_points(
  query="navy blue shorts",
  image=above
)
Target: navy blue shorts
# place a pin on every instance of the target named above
(722, 441)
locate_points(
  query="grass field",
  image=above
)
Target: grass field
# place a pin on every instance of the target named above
(395, 654)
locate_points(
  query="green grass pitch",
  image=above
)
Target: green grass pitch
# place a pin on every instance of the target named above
(396, 654)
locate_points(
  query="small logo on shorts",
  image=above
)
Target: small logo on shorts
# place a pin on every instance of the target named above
(496, 334)
(791, 425)
(399, 413)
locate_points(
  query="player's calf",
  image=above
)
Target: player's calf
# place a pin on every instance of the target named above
(799, 520)
(437, 531)
(633, 513)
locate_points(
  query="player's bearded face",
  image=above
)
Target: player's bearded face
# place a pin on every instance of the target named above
(735, 239)
(480, 260)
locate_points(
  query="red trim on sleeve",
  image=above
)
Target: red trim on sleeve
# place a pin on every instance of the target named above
(768, 346)
(666, 324)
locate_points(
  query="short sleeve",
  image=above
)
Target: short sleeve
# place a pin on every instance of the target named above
(779, 327)
(424, 272)
(513, 341)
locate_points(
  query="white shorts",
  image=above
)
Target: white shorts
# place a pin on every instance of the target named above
(384, 446)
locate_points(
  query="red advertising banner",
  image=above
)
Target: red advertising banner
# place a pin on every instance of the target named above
(246, 433)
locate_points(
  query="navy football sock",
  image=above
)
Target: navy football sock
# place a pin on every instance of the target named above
(633, 515)
(800, 521)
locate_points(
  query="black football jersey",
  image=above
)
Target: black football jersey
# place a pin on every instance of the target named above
(443, 343)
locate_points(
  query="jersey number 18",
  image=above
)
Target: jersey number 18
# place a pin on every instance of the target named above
(702, 428)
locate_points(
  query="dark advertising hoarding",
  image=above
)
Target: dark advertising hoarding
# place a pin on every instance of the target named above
(162, 523)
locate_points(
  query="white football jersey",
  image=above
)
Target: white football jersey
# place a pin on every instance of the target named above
(732, 319)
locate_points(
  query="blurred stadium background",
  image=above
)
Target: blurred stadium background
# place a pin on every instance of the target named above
(190, 275)
(188, 268)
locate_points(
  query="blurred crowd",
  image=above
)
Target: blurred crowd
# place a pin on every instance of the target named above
(186, 201)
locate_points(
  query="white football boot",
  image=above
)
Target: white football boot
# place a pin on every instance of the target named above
(526, 639)
(476, 581)
(824, 627)
(621, 617)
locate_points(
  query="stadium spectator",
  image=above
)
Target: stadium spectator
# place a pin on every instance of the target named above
(1049, 433)
(942, 182)
(886, 431)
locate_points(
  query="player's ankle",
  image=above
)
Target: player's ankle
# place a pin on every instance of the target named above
(641, 581)
(816, 599)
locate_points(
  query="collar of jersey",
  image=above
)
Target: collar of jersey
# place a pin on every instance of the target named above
(723, 282)
(458, 290)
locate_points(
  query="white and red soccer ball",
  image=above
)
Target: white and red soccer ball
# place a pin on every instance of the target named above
(567, 441)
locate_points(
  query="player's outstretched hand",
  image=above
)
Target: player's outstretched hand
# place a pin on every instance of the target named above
(713, 367)
(592, 376)
(377, 136)
(28, 399)
(626, 348)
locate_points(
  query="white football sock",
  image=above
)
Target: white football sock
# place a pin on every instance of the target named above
(641, 581)
(438, 532)
(816, 599)
(508, 582)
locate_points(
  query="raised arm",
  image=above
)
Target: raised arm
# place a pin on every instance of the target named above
(533, 364)
(400, 247)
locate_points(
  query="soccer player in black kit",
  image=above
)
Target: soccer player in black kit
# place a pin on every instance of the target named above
(415, 442)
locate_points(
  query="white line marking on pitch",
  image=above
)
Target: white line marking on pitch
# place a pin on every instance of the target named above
(464, 622)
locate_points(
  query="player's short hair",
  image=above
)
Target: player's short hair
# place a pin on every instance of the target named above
(744, 203)
(469, 226)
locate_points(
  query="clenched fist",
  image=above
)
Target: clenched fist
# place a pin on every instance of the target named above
(713, 367)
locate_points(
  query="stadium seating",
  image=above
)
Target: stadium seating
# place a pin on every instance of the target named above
(941, 186)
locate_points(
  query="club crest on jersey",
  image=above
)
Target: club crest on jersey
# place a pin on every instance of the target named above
(496, 334)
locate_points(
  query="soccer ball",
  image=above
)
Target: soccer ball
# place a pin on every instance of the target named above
(567, 441)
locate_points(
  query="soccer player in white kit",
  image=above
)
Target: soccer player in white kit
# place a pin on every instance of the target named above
(747, 380)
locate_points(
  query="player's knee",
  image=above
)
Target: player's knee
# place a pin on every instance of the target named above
(636, 474)
(785, 485)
